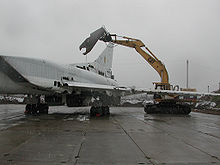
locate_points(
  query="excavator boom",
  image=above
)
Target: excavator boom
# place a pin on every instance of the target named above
(148, 56)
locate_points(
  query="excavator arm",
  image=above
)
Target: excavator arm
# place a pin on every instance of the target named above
(148, 56)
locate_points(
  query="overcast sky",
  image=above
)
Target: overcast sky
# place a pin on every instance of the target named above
(175, 30)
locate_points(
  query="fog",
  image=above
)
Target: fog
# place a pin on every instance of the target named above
(174, 30)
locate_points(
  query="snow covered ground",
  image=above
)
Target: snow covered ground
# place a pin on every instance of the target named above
(16, 99)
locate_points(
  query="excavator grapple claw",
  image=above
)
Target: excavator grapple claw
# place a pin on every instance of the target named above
(99, 34)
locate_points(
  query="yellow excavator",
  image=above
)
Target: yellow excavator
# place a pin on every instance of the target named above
(149, 57)
(164, 103)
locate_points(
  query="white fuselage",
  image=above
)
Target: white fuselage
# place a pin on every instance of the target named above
(41, 73)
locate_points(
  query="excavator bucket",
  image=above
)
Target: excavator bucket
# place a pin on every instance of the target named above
(99, 34)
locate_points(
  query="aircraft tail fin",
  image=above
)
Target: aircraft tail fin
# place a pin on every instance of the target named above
(106, 57)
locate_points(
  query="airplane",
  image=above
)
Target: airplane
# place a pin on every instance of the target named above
(73, 84)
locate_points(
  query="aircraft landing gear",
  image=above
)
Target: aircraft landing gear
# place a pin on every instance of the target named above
(100, 107)
(99, 111)
(34, 109)
(36, 105)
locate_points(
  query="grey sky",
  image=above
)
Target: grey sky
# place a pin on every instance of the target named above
(175, 30)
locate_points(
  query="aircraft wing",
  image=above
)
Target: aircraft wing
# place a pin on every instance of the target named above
(70, 86)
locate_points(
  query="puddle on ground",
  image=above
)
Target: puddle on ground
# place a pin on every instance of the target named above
(78, 117)
(163, 117)
(153, 118)
(83, 118)
(4, 126)
(158, 120)
(60, 116)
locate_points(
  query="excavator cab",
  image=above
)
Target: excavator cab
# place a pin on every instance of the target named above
(161, 86)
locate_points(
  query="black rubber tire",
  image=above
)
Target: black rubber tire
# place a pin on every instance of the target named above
(43, 108)
(92, 111)
(99, 111)
(28, 109)
(105, 110)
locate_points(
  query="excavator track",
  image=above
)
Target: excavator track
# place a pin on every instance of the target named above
(167, 108)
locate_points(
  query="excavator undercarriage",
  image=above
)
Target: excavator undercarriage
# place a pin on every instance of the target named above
(167, 107)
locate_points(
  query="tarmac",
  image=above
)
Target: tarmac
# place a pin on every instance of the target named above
(127, 136)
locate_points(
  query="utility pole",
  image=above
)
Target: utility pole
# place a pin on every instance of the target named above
(208, 88)
(187, 74)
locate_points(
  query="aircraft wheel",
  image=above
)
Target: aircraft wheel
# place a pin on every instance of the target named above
(43, 108)
(34, 109)
(99, 111)
(31, 109)
(105, 110)
(92, 111)
(28, 109)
